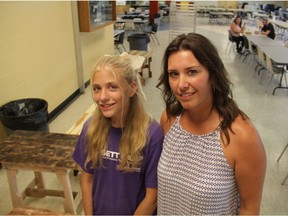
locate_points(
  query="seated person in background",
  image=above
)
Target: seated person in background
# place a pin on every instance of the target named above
(267, 29)
(237, 30)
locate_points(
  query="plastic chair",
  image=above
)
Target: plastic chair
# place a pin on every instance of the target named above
(152, 32)
(146, 11)
(250, 51)
(231, 42)
(273, 70)
(166, 15)
(120, 26)
(251, 21)
(119, 41)
(137, 26)
(261, 63)
(130, 26)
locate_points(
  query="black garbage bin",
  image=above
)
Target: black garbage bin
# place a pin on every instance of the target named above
(25, 114)
(138, 41)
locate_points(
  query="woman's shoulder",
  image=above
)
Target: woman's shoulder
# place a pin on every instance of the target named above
(234, 27)
(245, 141)
(166, 122)
(232, 24)
(244, 133)
(243, 125)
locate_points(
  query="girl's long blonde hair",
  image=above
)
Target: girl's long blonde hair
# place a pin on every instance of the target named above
(136, 121)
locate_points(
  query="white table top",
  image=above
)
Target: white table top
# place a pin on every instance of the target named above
(240, 10)
(133, 14)
(277, 54)
(221, 13)
(133, 20)
(210, 8)
(257, 14)
(260, 40)
(117, 32)
(279, 23)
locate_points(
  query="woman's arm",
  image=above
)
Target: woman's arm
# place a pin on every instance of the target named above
(148, 204)
(86, 188)
(250, 167)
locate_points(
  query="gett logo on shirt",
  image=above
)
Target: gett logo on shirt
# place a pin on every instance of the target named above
(115, 156)
(111, 155)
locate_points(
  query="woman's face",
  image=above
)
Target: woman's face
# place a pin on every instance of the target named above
(238, 20)
(111, 95)
(189, 80)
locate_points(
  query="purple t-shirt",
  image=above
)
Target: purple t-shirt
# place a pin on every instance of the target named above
(116, 192)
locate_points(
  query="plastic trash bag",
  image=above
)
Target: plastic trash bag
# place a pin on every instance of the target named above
(24, 114)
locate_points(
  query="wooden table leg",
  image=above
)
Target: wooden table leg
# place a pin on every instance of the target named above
(69, 206)
(16, 196)
(36, 188)
(149, 64)
(39, 181)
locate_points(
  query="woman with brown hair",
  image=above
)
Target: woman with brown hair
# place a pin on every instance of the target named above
(213, 161)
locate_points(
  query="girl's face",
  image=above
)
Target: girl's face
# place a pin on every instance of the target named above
(189, 80)
(112, 96)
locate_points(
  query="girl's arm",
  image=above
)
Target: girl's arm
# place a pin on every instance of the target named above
(148, 204)
(86, 188)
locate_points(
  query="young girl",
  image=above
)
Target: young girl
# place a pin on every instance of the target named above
(119, 147)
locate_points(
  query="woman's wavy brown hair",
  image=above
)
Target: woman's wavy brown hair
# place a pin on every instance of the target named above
(206, 53)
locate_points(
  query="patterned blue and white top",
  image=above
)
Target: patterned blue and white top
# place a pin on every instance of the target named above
(194, 176)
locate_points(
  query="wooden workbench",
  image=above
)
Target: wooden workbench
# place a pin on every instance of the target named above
(147, 64)
(40, 152)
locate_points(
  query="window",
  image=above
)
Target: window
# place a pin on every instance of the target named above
(96, 14)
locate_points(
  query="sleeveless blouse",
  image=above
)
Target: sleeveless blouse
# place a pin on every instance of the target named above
(236, 34)
(194, 176)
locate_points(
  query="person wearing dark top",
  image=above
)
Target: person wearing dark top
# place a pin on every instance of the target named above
(267, 29)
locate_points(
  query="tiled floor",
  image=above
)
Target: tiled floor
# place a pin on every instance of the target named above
(268, 112)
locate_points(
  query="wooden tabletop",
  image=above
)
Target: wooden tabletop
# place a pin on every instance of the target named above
(146, 54)
(78, 125)
(137, 61)
(35, 211)
(37, 150)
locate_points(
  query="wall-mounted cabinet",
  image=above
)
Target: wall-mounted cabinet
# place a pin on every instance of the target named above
(96, 14)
